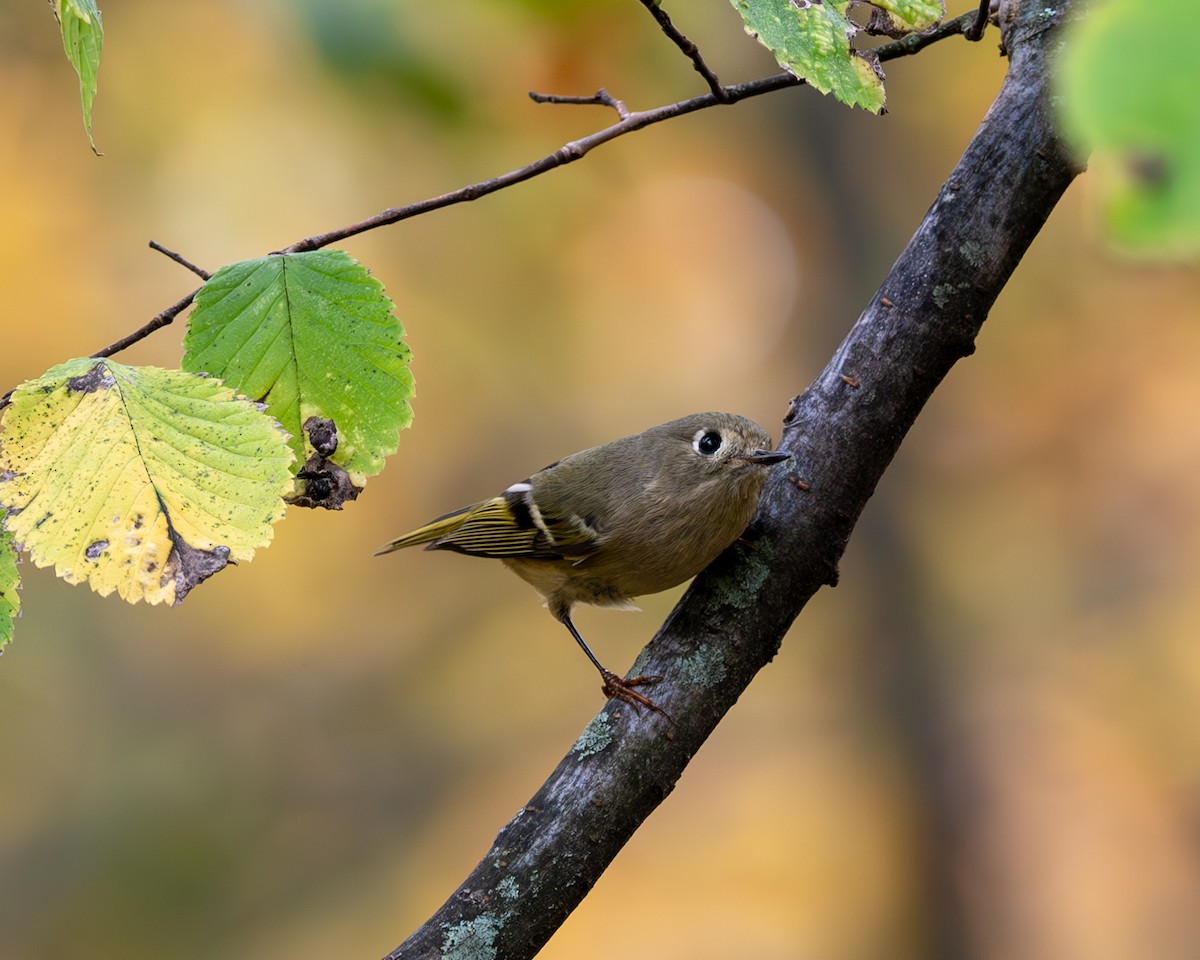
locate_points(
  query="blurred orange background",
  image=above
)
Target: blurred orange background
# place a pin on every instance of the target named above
(983, 744)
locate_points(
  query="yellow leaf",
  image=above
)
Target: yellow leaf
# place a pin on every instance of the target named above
(139, 480)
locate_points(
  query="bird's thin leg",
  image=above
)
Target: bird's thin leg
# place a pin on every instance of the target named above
(616, 686)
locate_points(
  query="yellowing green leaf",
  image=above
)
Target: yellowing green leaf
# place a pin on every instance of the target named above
(83, 40)
(314, 337)
(811, 39)
(898, 17)
(139, 480)
(10, 580)
(1132, 100)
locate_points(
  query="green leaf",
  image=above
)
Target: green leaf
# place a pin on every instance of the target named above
(313, 335)
(811, 39)
(83, 39)
(1132, 99)
(10, 580)
(139, 480)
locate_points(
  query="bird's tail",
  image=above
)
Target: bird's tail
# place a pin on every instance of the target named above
(433, 530)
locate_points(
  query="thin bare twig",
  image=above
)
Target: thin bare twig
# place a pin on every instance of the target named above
(179, 259)
(690, 50)
(600, 98)
(568, 153)
(636, 120)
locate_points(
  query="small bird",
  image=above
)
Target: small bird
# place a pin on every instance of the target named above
(631, 517)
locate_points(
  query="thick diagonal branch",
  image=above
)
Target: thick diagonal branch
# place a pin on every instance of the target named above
(843, 431)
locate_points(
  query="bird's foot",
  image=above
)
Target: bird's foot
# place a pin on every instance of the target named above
(618, 688)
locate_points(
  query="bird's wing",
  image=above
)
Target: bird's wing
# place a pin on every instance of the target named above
(509, 525)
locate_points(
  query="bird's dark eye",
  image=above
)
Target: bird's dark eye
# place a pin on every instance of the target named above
(707, 443)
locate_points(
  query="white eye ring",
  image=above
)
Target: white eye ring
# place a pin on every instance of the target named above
(707, 442)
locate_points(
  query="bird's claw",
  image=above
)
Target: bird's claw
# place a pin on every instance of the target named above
(618, 688)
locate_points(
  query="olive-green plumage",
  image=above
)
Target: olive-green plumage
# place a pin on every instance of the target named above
(631, 517)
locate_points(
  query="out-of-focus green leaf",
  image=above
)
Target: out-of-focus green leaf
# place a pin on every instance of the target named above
(83, 40)
(1131, 98)
(139, 480)
(313, 335)
(10, 580)
(373, 47)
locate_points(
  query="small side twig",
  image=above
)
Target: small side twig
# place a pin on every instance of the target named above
(155, 323)
(600, 98)
(689, 49)
(180, 259)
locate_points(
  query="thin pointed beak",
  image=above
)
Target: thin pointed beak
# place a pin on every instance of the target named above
(766, 457)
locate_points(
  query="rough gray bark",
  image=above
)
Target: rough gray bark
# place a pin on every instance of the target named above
(843, 432)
